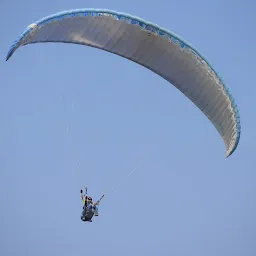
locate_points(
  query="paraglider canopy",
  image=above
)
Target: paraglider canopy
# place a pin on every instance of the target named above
(150, 46)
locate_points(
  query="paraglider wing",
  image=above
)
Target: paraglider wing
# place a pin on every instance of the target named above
(150, 46)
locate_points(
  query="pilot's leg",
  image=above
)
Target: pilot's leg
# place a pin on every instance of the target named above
(96, 212)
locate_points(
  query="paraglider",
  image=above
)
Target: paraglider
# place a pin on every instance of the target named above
(90, 208)
(148, 45)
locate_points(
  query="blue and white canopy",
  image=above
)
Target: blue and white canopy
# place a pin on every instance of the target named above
(150, 46)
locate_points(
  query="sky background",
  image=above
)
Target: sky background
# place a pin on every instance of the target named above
(74, 115)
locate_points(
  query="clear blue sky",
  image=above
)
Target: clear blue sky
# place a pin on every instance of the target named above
(73, 115)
